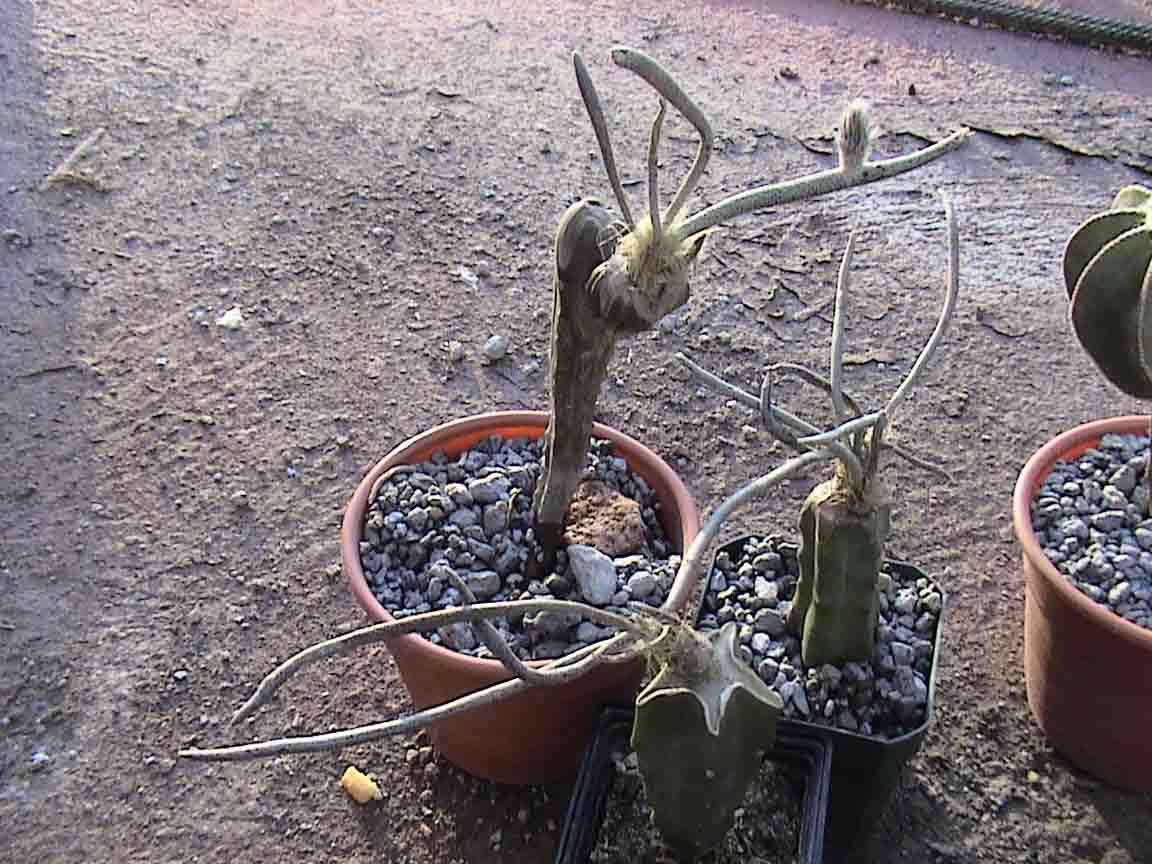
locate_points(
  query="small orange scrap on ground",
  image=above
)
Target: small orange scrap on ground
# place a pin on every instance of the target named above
(360, 786)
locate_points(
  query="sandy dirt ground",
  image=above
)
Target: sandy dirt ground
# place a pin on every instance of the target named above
(368, 180)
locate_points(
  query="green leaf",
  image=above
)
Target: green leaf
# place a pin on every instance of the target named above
(1093, 236)
(1108, 314)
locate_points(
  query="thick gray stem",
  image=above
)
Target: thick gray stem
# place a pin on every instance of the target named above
(582, 344)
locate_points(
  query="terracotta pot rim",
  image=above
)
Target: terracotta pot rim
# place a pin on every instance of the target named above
(1031, 479)
(492, 422)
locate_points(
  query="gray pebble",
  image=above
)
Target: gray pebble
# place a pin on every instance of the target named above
(551, 650)
(906, 601)
(768, 668)
(489, 489)
(1124, 479)
(641, 584)
(496, 518)
(769, 621)
(459, 636)
(594, 573)
(458, 494)
(1113, 498)
(1119, 593)
(767, 562)
(485, 584)
(799, 699)
(767, 591)
(507, 562)
(558, 586)
(831, 675)
(902, 655)
(495, 348)
(932, 602)
(465, 517)
(1108, 521)
(549, 625)
(588, 632)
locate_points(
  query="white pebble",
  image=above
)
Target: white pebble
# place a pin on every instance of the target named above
(495, 348)
(595, 573)
(233, 319)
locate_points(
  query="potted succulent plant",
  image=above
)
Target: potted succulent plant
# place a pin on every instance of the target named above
(1081, 516)
(848, 639)
(609, 818)
(703, 700)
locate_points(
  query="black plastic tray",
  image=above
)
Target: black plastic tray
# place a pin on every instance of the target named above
(865, 769)
(806, 757)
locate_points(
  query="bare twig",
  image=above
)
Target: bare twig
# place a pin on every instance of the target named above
(662, 82)
(586, 658)
(875, 443)
(814, 311)
(491, 637)
(918, 461)
(653, 172)
(856, 424)
(810, 376)
(66, 170)
(818, 380)
(814, 185)
(49, 370)
(596, 115)
(951, 292)
(744, 397)
(376, 633)
(851, 463)
(768, 414)
(836, 371)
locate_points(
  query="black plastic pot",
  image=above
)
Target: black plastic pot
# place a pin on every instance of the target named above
(865, 769)
(804, 755)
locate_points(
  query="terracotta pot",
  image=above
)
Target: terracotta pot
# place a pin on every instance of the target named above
(537, 736)
(1087, 669)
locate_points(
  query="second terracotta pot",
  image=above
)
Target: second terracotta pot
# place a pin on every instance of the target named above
(1088, 670)
(537, 736)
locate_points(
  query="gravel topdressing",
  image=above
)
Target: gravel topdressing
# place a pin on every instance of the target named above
(1091, 521)
(887, 696)
(472, 516)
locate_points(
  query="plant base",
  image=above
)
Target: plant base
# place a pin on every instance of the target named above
(865, 769)
(803, 756)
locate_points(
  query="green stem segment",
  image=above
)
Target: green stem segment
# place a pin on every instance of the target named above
(836, 607)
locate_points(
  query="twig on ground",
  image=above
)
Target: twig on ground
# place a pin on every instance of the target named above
(66, 172)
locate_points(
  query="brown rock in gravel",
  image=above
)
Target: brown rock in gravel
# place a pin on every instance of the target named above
(601, 517)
